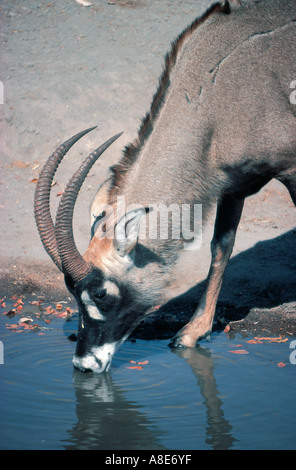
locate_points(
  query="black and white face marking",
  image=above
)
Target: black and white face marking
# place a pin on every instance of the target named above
(94, 357)
(109, 288)
(99, 302)
(108, 313)
(91, 307)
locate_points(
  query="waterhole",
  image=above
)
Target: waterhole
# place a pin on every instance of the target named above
(232, 392)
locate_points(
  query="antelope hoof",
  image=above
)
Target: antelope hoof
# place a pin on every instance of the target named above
(181, 340)
(176, 342)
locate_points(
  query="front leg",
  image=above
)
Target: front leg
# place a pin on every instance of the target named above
(227, 219)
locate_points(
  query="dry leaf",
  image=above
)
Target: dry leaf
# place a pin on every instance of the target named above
(27, 326)
(239, 351)
(280, 339)
(13, 326)
(36, 302)
(62, 315)
(139, 362)
(281, 364)
(50, 310)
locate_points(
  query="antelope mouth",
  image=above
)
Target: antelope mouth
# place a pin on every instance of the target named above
(90, 363)
(98, 360)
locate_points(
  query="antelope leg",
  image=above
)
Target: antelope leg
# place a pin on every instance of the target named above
(227, 219)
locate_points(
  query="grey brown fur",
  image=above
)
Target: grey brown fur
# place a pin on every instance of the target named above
(221, 125)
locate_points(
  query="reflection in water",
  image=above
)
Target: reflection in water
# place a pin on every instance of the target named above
(218, 429)
(173, 403)
(106, 420)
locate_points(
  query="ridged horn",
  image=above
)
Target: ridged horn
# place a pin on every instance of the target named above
(72, 261)
(42, 213)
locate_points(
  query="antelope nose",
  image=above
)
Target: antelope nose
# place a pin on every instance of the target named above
(98, 359)
(89, 363)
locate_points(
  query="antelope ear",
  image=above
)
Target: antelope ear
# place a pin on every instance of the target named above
(127, 231)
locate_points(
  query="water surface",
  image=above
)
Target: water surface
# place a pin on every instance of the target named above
(207, 398)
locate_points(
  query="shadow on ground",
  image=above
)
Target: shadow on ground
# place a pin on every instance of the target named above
(258, 293)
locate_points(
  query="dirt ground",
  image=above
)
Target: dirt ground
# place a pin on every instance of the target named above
(66, 67)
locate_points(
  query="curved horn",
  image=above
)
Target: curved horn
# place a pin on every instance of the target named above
(42, 214)
(72, 261)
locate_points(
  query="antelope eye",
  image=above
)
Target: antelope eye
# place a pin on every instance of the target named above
(100, 294)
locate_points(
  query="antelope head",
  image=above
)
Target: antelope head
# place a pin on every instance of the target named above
(109, 307)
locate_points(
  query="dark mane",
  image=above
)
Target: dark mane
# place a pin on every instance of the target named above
(131, 152)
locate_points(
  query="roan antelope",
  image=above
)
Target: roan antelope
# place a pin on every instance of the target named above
(221, 125)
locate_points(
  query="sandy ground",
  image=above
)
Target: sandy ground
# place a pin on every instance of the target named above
(66, 67)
